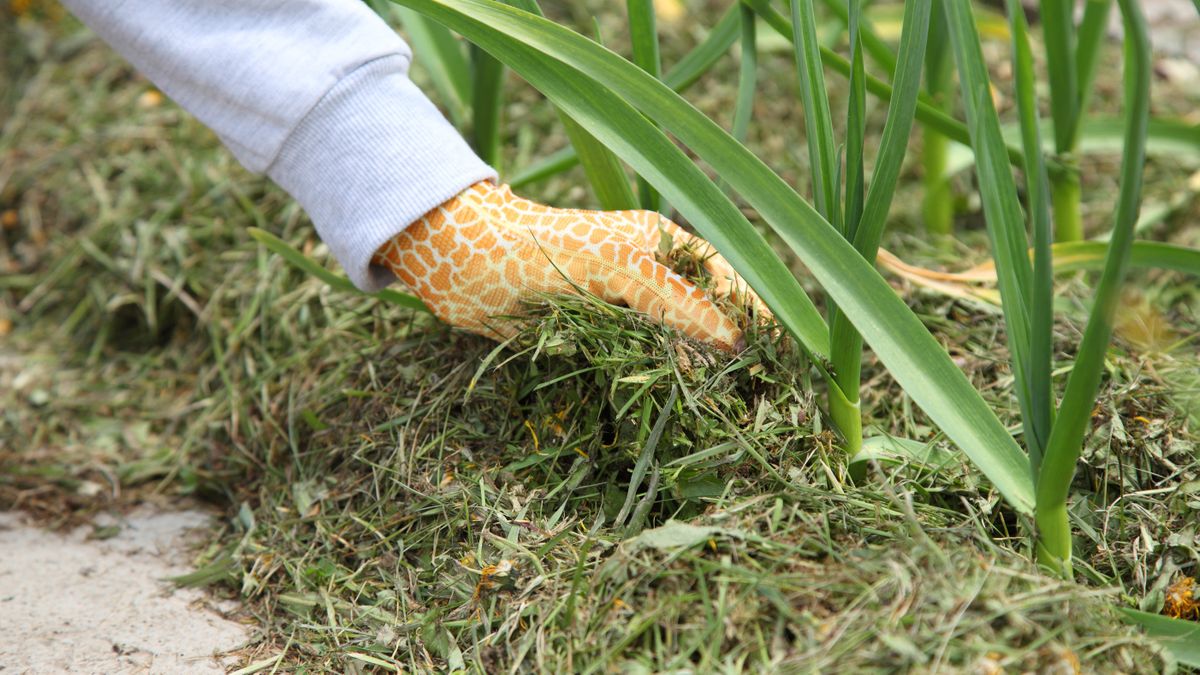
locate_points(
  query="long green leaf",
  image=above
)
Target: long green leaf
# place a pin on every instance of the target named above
(1058, 34)
(928, 115)
(1180, 638)
(487, 103)
(643, 33)
(1074, 413)
(893, 145)
(1092, 30)
(1040, 405)
(879, 50)
(695, 63)
(1089, 255)
(575, 71)
(743, 108)
(818, 122)
(336, 281)
(847, 353)
(938, 202)
(439, 52)
(680, 77)
(998, 192)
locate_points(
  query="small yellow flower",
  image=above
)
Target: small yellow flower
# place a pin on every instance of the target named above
(1181, 602)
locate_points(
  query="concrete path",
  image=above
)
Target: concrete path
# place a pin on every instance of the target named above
(74, 604)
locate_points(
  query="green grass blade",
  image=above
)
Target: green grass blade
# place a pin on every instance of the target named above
(335, 281)
(747, 75)
(550, 165)
(1058, 34)
(1179, 637)
(938, 202)
(695, 63)
(1074, 413)
(440, 53)
(847, 353)
(487, 103)
(1039, 408)
(1089, 255)
(856, 125)
(879, 50)
(997, 189)
(566, 66)
(604, 171)
(1092, 30)
(893, 145)
(643, 33)
(818, 122)
(680, 77)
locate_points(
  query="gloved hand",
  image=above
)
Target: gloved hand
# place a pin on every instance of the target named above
(475, 258)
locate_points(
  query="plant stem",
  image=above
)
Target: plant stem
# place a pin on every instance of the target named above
(937, 206)
(487, 75)
(1065, 190)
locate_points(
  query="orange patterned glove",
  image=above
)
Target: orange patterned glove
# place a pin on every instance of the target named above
(477, 257)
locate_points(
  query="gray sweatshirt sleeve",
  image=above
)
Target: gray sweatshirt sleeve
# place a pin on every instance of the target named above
(315, 93)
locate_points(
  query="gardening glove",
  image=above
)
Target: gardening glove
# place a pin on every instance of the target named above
(475, 259)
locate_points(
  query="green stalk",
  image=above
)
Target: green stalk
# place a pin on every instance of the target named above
(1074, 414)
(747, 76)
(1091, 36)
(1067, 192)
(937, 205)
(643, 33)
(844, 405)
(880, 53)
(1037, 405)
(818, 122)
(1058, 34)
(928, 115)
(680, 77)
(487, 103)
(845, 340)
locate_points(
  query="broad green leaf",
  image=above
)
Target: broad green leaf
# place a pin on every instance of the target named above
(572, 70)
(1180, 638)
(487, 104)
(1074, 413)
(680, 77)
(336, 281)
(676, 534)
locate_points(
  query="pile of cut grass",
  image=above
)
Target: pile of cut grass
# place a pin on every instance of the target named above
(634, 501)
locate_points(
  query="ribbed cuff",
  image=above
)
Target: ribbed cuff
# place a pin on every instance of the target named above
(370, 158)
